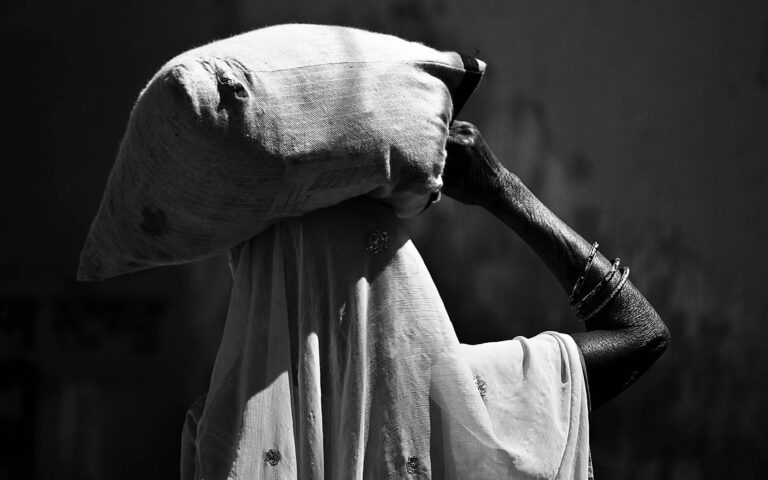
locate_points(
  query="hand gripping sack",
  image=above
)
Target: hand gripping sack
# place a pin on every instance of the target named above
(231, 137)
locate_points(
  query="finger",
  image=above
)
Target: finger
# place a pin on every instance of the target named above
(459, 140)
(460, 124)
(462, 127)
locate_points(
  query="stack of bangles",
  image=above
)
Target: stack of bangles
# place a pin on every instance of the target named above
(588, 305)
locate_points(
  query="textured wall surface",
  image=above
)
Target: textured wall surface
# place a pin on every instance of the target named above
(641, 124)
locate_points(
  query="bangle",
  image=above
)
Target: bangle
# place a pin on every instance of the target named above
(580, 280)
(605, 280)
(614, 292)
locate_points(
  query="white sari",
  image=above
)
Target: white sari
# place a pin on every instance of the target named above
(338, 361)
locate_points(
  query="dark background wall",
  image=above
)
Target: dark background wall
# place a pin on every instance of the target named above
(643, 124)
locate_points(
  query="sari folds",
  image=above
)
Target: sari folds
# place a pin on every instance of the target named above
(339, 361)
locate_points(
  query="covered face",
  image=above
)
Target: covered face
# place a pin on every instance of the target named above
(339, 361)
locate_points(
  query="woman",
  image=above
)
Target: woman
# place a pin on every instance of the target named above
(339, 361)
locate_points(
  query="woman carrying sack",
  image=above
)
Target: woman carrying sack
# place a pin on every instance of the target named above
(339, 360)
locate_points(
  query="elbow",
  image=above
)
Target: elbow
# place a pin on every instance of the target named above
(662, 337)
(655, 338)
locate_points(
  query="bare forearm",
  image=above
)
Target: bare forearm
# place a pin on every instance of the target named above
(562, 250)
(627, 335)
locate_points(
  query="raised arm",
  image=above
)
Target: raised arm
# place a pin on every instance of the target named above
(624, 335)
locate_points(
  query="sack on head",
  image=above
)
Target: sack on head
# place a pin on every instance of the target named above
(233, 136)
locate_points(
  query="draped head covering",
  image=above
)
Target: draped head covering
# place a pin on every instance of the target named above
(338, 361)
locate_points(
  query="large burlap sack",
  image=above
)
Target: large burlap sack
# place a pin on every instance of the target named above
(231, 137)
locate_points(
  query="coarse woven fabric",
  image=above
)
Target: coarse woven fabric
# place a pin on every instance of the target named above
(338, 361)
(233, 136)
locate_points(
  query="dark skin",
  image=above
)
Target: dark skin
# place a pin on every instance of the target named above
(623, 339)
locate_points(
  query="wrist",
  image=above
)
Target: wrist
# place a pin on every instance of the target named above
(507, 187)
